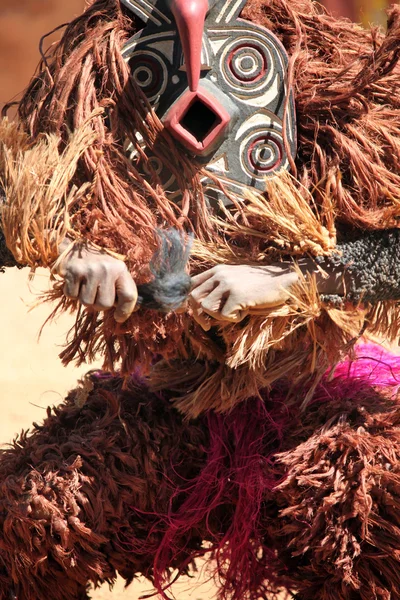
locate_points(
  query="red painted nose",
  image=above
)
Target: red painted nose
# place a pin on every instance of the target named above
(190, 16)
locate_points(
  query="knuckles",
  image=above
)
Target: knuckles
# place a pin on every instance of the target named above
(101, 306)
(80, 269)
(97, 281)
(74, 271)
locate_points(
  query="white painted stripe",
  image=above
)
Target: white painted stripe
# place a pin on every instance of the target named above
(146, 11)
(153, 9)
(222, 12)
(231, 14)
(141, 12)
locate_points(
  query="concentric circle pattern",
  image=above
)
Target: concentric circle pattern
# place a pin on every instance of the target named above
(154, 166)
(246, 64)
(261, 153)
(150, 73)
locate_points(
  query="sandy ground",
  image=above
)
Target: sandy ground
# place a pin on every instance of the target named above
(32, 378)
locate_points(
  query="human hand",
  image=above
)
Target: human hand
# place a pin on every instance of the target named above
(96, 279)
(229, 292)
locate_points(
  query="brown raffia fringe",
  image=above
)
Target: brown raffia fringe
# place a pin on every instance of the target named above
(100, 486)
(347, 171)
(37, 184)
(336, 524)
(80, 490)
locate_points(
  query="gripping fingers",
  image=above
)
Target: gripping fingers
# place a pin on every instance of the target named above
(202, 277)
(72, 285)
(200, 316)
(221, 304)
(105, 298)
(126, 293)
(202, 319)
(214, 301)
(88, 292)
(203, 290)
(232, 310)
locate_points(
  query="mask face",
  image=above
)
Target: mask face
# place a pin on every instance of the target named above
(218, 83)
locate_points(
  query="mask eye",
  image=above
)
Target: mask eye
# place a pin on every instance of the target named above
(247, 65)
(262, 153)
(149, 71)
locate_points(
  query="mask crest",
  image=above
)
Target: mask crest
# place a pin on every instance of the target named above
(159, 11)
(150, 11)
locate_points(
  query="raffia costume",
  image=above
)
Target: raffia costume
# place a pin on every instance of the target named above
(248, 442)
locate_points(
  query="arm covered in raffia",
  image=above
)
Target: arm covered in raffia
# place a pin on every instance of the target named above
(65, 171)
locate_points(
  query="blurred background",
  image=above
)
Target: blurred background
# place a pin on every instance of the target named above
(363, 11)
(31, 376)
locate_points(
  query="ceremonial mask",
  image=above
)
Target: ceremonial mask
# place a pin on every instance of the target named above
(219, 85)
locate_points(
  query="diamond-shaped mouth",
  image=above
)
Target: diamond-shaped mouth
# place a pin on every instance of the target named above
(198, 121)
